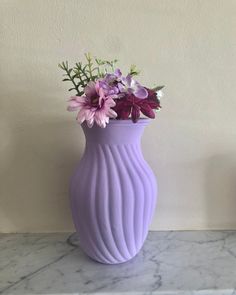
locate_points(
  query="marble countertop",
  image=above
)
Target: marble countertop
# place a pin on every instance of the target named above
(186, 263)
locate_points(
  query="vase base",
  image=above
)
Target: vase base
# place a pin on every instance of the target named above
(110, 263)
(73, 240)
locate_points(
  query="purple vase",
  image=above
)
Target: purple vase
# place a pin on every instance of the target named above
(113, 192)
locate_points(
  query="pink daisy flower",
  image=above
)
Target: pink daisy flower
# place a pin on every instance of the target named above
(94, 106)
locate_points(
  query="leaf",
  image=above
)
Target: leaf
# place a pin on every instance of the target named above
(64, 65)
(133, 70)
(98, 61)
(60, 66)
(88, 56)
(157, 88)
(78, 65)
(74, 76)
(84, 68)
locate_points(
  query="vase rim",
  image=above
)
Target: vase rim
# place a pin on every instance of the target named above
(116, 132)
(141, 121)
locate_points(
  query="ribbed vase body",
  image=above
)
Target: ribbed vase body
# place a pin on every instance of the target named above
(113, 192)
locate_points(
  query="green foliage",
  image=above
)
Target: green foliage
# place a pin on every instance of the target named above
(105, 66)
(157, 88)
(81, 74)
(133, 71)
(71, 76)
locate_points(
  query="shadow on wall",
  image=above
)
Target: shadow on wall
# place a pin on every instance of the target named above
(221, 189)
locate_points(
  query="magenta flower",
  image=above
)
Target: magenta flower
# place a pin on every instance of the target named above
(131, 105)
(94, 106)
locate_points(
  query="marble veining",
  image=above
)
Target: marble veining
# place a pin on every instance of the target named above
(170, 263)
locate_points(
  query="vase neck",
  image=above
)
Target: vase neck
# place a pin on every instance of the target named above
(116, 132)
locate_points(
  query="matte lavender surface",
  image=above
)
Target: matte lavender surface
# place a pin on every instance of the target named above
(113, 192)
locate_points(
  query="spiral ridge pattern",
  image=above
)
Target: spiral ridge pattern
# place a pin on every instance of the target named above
(113, 196)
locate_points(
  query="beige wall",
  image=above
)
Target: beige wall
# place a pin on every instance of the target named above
(189, 45)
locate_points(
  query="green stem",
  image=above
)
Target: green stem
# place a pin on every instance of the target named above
(80, 78)
(90, 69)
(72, 80)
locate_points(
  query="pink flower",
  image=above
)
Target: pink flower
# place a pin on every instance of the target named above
(94, 106)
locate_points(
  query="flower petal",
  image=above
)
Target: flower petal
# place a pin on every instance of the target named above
(118, 73)
(147, 111)
(90, 89)
(111, 114)
(90, 122)
(89, 113)
(72, 108)
(73, 104)
(124, 112)
(128, 80)
(80, 117)
(110, 102)
(100, 118)
(140, 92)
(135, 113)
(121, 87)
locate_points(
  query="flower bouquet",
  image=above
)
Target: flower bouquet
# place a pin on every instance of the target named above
(113, 190)
(102, 92)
